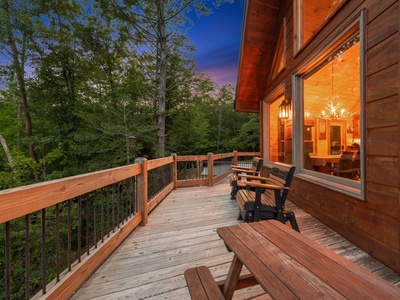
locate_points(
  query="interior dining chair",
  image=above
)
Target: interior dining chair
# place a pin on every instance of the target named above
(345, 168)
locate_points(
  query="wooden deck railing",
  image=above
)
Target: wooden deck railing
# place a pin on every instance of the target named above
(55, 234)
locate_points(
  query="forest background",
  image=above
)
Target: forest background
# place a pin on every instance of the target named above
(90, 85)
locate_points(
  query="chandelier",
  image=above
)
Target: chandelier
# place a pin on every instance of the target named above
(334, 112)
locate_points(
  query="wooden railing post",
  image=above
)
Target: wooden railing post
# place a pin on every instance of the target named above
(175, 170)
(235, 158)
(142, 189)
(210, 169)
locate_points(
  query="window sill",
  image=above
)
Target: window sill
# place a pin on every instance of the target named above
(337, 184)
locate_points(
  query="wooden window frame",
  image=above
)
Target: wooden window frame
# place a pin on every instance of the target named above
(336, 39)
(280, 50)
(277, 93)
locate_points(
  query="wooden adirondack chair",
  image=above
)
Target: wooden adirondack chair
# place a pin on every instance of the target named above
(237, 179)
(268, 199)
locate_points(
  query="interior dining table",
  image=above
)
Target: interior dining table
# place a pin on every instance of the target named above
(324, 159)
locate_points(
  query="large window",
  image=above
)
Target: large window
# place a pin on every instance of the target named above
(309, 16)
(331, 93)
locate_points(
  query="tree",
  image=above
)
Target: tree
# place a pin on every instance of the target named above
(18, 32)
(158, 29)
(248, 137)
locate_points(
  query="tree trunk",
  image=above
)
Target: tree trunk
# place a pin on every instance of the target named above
(219, 126)
(162, 76)
(6, 150)
(18, 66)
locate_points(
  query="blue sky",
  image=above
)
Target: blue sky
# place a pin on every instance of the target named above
(217, 41)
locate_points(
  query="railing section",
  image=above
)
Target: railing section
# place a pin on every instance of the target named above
(55, 234)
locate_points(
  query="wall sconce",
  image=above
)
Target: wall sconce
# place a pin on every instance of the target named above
(284, 109)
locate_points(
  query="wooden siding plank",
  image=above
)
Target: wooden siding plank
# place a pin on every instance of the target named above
(385, 25)
(378, 169)
(385, 200)
(383, 113)
(377, 90)
(383, 55)
(378, 137)
(375, 8)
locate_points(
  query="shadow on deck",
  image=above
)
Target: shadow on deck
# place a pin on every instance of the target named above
(180, 234)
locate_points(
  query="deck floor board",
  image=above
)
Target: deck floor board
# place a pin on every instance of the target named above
(181, 234)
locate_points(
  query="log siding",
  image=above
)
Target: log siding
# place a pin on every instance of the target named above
(373, 224)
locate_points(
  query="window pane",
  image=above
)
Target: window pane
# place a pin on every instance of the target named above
(332, 113)
(310, 15)
(276, 132)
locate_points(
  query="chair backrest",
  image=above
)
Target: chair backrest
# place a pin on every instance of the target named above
(281, 175)
(257, 164)
(307, 161)
(345, 163)
(356, 161)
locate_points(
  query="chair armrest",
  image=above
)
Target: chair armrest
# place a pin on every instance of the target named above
(239, 167)
(267, 186)
(254, 177)
(244, 171)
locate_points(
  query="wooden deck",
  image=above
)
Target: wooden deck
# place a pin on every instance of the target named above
(181, 233)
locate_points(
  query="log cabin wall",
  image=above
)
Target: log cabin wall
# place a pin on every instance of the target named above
(372, 223)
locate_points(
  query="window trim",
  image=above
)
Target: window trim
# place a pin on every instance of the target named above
(337, 38)
(278, 92)
(280, 50)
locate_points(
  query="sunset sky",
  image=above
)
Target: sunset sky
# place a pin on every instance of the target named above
(217, 40)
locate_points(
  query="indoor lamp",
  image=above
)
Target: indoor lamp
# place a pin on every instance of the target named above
(334, 112)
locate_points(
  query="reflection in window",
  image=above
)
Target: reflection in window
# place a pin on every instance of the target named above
(331, 133)
(309, 16)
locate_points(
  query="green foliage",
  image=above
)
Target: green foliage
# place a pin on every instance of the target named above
(248, 137)
(89, 92)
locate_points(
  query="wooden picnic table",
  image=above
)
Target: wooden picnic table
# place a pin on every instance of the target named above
(288, 265)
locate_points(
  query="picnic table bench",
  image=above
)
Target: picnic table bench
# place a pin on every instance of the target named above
(288, 265)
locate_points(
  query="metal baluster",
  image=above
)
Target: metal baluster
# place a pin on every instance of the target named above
(7, 250)
(113, 208)
(69, 235)
(27, 256)
(95, 219)
(108, 211)
(130, 196)
(123, 202)
(79, 227)
(102, 215)
(87, 223)
(44, 258)
(58, 242)
(118, 198)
